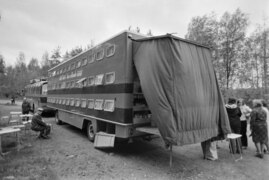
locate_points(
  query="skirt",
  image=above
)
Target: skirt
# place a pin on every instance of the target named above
(259, 133)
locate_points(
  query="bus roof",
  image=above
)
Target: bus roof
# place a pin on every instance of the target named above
(125, 31)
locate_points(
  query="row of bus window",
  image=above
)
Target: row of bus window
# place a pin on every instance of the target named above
(108, 51)
(100, 79)
(97, 104)
(71, 74)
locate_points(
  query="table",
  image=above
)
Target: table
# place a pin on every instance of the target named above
(14, 117)
(23, 116)
(8, 130)
(237, 138)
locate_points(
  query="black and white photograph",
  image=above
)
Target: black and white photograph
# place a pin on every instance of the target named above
(134, 90)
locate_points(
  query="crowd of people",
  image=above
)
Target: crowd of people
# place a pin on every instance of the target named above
(240, 115)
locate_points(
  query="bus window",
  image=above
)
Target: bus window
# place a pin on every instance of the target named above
(100, 54)
(99, 79)
(98, 105)
(84, 62)
(67, 102)
(77, 102)
(91, 58)
(72, 102)
(83, 103)
(110, 50)
(79, 73)
(91, 81)
(109, 105)
(90, 103)
(110, 78)
(78, 64)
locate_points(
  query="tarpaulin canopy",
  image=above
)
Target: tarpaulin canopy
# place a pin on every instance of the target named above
(181, 89)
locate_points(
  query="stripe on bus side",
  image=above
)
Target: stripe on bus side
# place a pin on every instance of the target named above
(101, 89)
(118, 115)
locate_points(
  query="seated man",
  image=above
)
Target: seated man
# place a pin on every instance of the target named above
(39, 125)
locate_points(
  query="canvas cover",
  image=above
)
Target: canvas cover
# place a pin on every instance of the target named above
(181, 89)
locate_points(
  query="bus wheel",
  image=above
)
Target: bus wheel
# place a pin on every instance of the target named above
(90, 131)
(57, 120)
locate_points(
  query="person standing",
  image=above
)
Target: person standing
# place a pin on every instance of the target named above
(26, 107)
(265, 108)
(234, 114)
(39, 125)
(245, 110)
(258, 127)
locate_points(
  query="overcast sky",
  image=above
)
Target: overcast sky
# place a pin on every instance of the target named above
(36, 26)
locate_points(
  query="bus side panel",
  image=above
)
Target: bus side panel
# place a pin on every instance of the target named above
(71, 118)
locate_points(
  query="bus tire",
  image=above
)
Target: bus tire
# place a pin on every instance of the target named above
(57, 120)
(90, 131)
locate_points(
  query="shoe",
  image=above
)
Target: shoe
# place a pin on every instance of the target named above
(259, 155)
(45, 137)
(211, 159)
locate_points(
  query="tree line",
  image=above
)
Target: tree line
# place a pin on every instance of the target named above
(13, 79)
(240, 59)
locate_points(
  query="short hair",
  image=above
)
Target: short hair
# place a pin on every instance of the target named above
(257, 102)
(231, 101)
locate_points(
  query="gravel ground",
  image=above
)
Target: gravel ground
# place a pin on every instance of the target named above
(69, 155)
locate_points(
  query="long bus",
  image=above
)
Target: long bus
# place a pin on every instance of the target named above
(36, 93)
(99, 90)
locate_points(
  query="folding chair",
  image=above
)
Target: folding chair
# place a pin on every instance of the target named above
(14, 118)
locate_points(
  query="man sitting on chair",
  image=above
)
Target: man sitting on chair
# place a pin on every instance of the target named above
(39, 125)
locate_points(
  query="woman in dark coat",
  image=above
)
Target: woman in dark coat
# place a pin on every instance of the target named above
(234, 114)
(258, 127)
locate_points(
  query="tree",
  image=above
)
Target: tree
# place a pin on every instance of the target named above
(45, 64)
(21, 73)
(205, 30)
(56, 54)
(226, 38)
(232, 31)
(66, 56)
(2, 64)
(33, 69)
(33, 65)
(75, 51)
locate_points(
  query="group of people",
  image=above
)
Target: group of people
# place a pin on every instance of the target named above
(37, 123)
(239, 114)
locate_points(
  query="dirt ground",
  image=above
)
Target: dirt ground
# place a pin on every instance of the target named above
(69, 155)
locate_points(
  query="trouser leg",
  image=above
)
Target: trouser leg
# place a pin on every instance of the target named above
(209, 150)
(244, 138)
(47, 130)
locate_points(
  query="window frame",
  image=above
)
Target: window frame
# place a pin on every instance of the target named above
(91, 58)
(96, 83)
(72, 102)
(101, 50)
(77, 103)
(81, 103)
(93, 82)
(106, 82)
(95, 104)
(108, 101)
(114, 49)
(84, 60)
